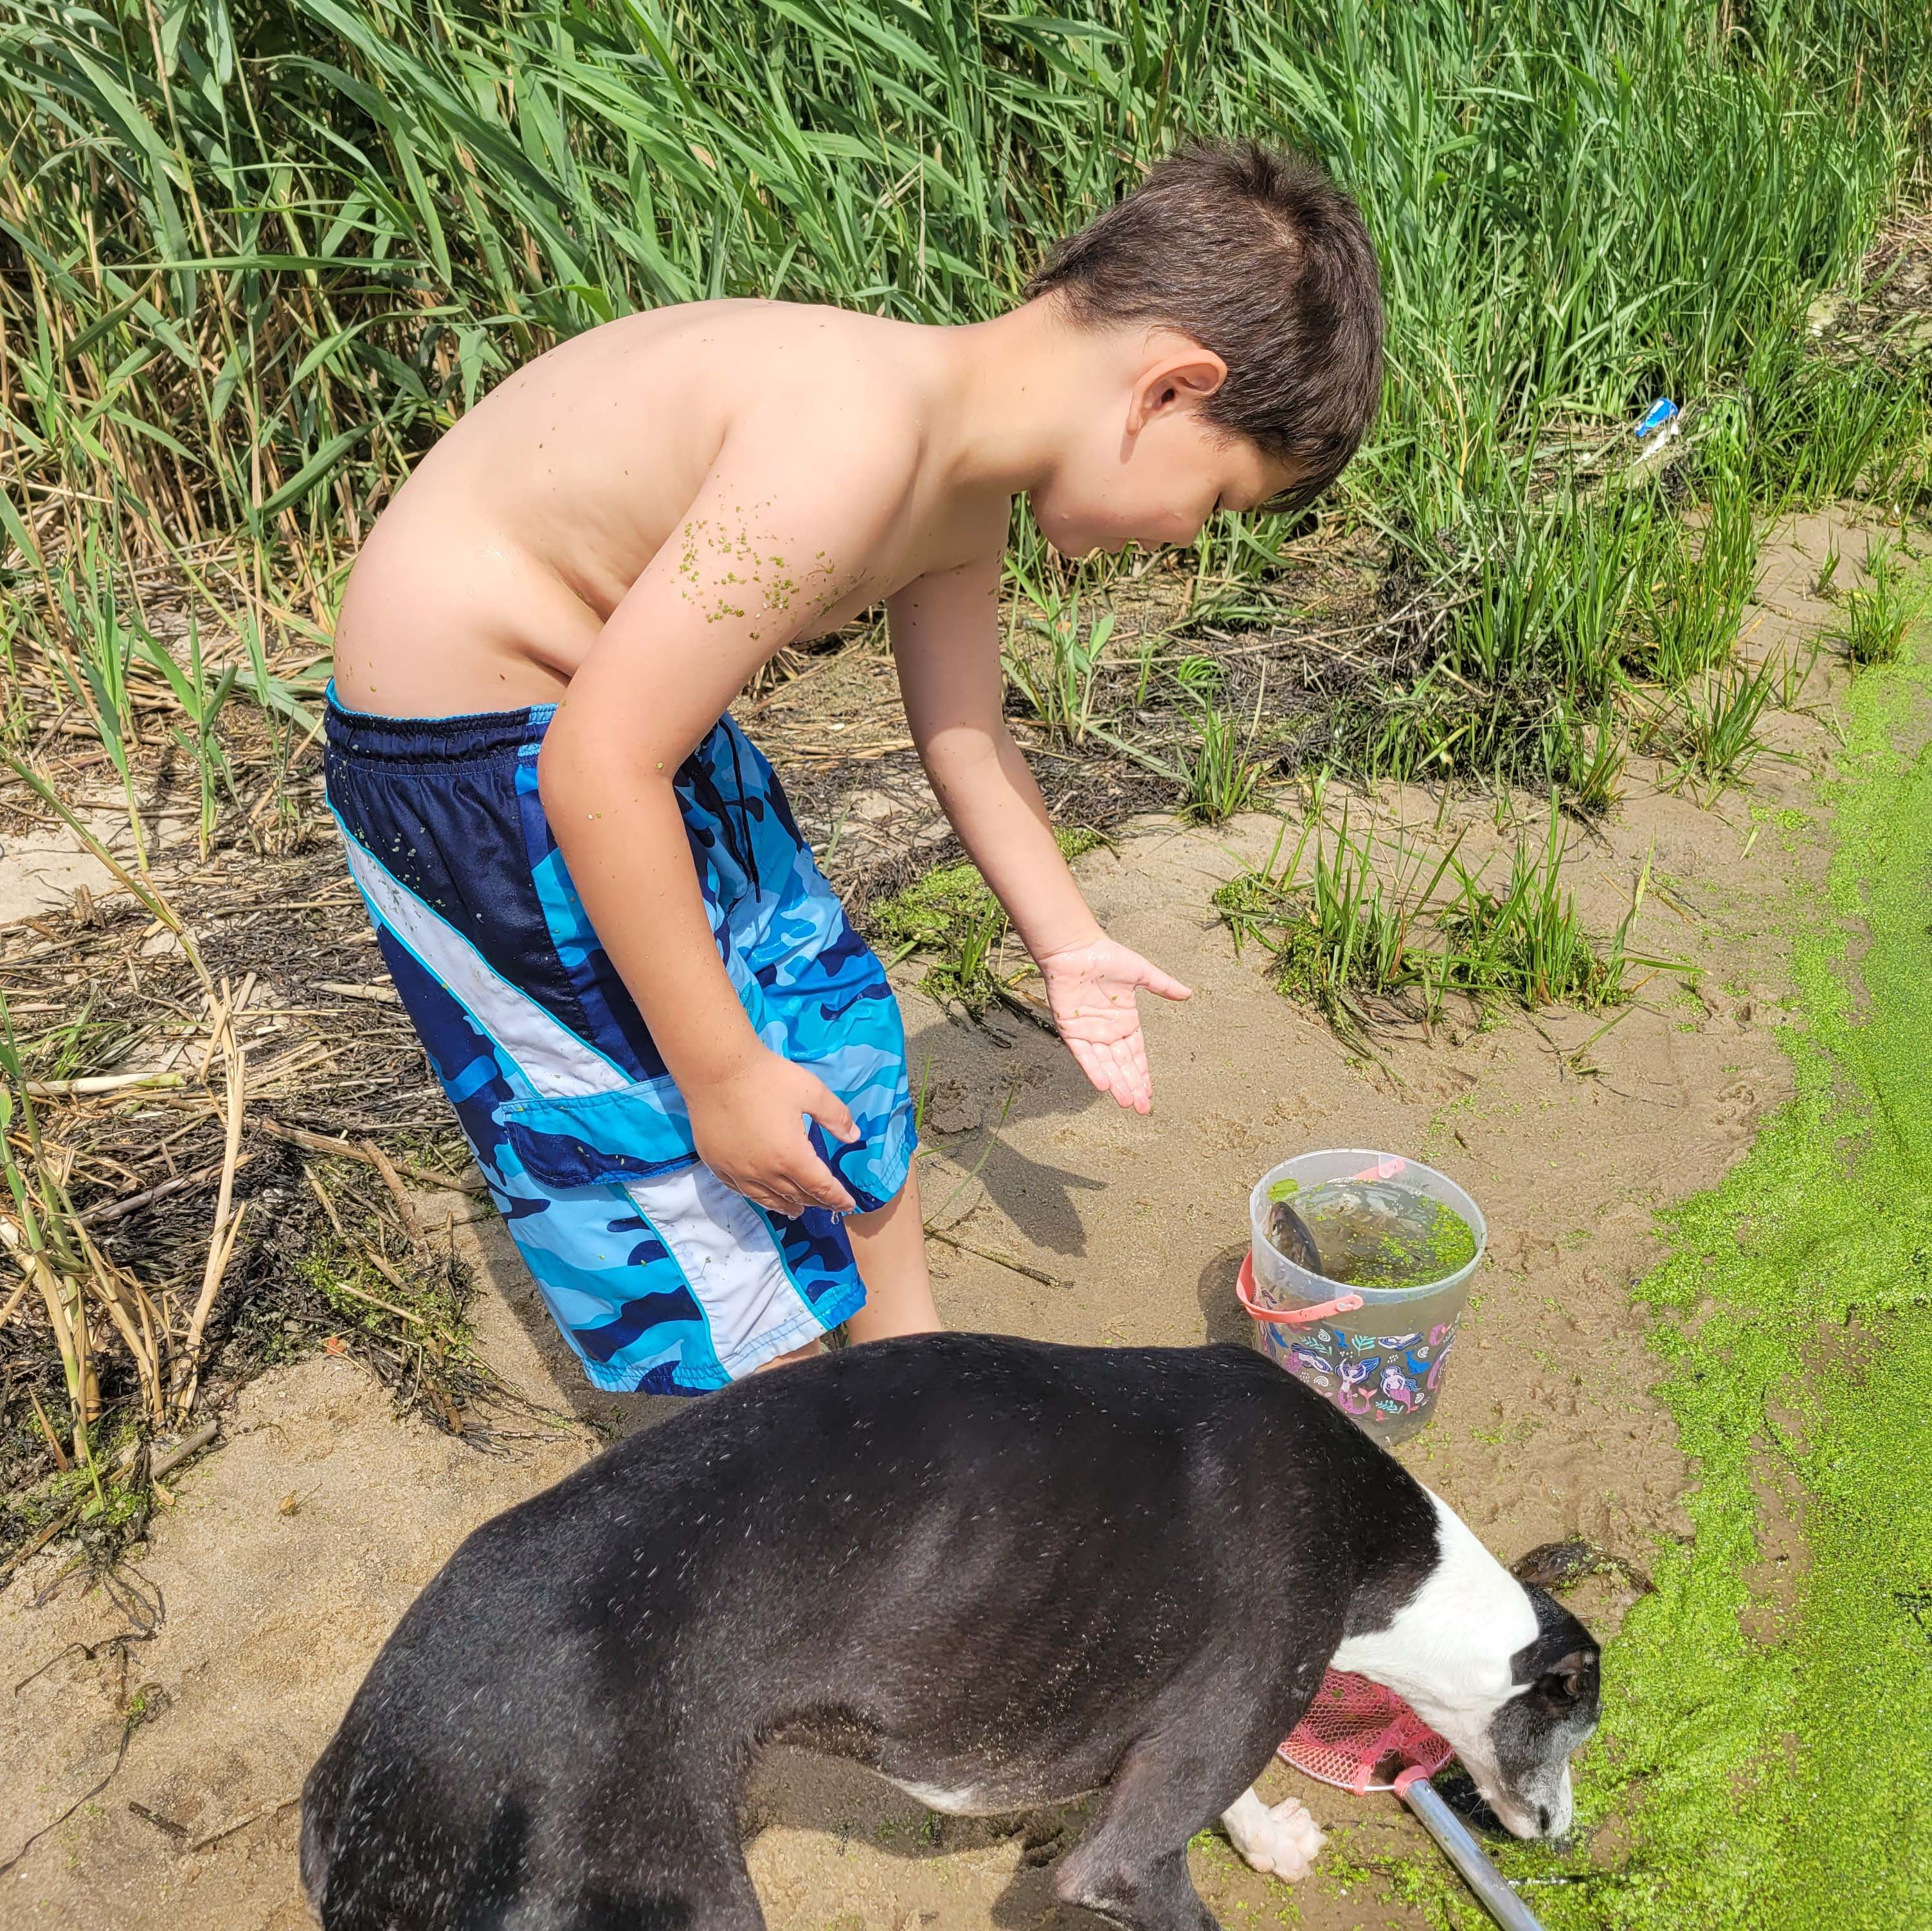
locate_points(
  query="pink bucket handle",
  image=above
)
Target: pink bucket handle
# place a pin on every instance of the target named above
(1300, 1317)
(1387, 1166)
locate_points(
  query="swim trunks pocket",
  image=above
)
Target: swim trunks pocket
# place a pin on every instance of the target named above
(600, 1139)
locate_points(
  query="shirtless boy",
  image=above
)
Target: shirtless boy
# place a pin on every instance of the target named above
(631, 978)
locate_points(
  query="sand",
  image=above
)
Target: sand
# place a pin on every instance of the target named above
(238, 1634)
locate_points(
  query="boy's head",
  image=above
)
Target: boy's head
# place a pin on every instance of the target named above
(1237, 292)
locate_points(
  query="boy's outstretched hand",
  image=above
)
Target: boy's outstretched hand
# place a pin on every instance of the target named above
(1091, 989)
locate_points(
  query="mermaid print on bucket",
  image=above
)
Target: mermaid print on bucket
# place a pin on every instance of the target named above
(1374, 1377)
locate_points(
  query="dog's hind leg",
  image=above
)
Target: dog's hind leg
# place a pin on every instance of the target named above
(1152, 1893)
(597, 1872)
(1132, 1866)
(705, 1895)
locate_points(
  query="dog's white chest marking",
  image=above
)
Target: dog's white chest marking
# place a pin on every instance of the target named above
(1280, 1840)
(1448, 1650)
(947, 1802)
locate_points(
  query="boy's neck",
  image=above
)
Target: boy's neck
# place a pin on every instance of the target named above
(1012, 393)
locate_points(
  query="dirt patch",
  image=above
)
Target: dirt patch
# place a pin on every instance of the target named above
(290, 1551)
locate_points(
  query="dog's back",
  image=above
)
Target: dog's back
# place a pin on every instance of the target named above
(983, 1566)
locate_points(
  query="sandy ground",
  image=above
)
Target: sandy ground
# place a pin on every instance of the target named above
(294, 1547)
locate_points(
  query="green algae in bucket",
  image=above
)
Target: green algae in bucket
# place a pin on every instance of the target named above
(1359, 1267)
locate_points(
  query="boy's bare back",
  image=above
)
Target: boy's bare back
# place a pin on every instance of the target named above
(488, 581)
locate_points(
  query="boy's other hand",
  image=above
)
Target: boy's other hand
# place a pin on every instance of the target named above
(747, 1127)
(1091, 989)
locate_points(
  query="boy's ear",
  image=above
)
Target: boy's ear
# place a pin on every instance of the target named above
(1187, 374)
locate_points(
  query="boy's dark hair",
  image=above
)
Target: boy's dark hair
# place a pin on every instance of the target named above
(1259, 256)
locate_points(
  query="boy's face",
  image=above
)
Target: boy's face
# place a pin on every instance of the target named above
(1151, 471)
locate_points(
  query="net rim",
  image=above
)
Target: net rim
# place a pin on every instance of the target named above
(1368, 1724)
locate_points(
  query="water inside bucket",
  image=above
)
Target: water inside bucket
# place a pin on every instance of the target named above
(1368, 1234)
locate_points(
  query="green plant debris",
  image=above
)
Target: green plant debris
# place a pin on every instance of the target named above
(951, 915)
(1777, 1779)
(1362, 1245)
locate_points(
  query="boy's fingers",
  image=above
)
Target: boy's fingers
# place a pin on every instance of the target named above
(1112, 1068)
(831, 1112)
(1130, 1082)
(1117, 1067)
(1163, 983)
(1087, 1059)
(773, 1198)
(811, 1177)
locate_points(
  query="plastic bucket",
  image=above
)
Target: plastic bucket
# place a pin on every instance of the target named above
(1378, 1353)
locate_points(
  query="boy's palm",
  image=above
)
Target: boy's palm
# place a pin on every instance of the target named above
(1091, 989)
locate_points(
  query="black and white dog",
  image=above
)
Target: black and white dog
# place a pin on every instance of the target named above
(1000, 1574)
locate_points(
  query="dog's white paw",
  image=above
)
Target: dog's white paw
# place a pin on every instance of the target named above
(1280, 1839)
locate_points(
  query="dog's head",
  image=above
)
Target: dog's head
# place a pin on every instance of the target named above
(1500, 1667)
(1519, 1755)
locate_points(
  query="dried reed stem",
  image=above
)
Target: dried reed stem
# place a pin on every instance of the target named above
(221, 1234)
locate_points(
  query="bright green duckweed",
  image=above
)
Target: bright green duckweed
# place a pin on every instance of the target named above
(1776, 1778)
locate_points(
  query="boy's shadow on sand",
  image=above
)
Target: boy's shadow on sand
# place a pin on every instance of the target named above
(1008, 1073)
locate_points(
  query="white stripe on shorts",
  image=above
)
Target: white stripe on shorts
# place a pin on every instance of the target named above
(557, 1063)
(725, 1247)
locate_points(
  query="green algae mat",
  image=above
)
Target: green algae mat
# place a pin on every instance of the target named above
(1769, 1755)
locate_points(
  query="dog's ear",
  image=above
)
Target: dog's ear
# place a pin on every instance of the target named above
(1567, 1680)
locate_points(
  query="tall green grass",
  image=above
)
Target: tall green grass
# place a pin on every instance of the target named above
(258, 254)
(254, 257)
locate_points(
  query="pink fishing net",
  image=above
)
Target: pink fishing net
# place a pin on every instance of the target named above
(1360, 1737)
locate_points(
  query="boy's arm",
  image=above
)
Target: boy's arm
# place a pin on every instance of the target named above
(775, 539)
(945, 637)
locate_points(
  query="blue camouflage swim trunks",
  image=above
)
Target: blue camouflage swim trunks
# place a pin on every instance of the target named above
(660, 1276)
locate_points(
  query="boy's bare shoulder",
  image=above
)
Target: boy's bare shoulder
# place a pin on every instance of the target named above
(784, 428)
(671, 387)
(853, 382)
(834, 407)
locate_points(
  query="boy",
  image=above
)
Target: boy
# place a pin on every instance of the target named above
(629, 975)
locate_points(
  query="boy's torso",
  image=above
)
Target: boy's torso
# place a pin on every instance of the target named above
(487, 581)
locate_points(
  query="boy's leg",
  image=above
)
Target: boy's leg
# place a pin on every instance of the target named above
(889, 1247)
(889, 1244)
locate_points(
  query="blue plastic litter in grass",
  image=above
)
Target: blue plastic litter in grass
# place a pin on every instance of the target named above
(1661, 412)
